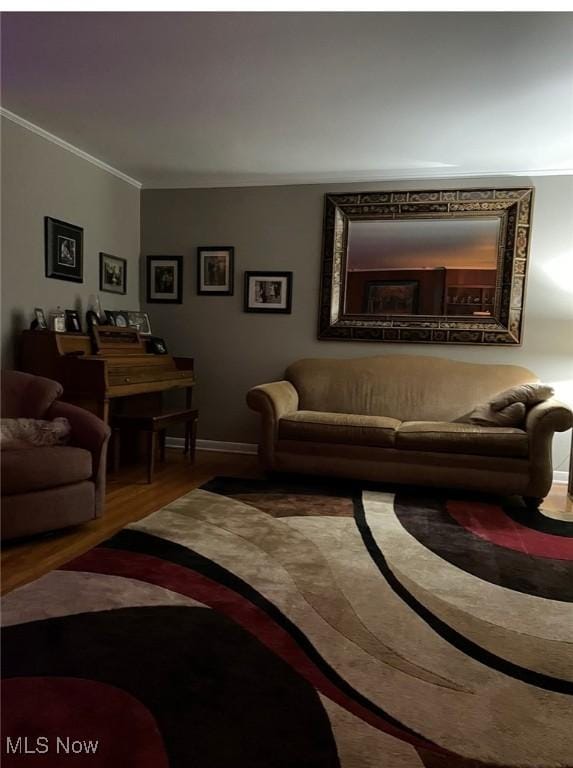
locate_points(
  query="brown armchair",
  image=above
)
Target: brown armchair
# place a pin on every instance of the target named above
(46, 488)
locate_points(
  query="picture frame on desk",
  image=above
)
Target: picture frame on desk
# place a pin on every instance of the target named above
(165, 279)
(73, 322)
(64, 250)
(215, 270)
(39, 323)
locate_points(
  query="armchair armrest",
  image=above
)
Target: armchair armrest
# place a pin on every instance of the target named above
(91, 433)
(272, 401)
(543, 420)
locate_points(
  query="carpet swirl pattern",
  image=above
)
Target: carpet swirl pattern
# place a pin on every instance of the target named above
(298, 624)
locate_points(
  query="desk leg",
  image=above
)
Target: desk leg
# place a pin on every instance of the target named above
(151, 456)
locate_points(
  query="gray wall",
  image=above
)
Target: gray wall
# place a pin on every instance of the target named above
(281, 228)
(39, 179)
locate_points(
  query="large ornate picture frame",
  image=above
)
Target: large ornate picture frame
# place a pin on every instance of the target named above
(513, 208)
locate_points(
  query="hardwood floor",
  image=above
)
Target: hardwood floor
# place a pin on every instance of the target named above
(130, 498)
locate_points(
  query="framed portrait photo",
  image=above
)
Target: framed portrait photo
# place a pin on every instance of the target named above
(112, 273)
(64, 250)
(164, 279)
(215, 270)
(268, 292)
(40, 323)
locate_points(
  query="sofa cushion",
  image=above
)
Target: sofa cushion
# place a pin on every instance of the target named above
(449, 437)
(35, 469)
(347, 428)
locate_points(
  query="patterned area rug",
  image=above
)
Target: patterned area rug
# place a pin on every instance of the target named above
(289, 624)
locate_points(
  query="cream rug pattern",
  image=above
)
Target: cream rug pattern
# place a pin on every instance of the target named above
(291, 623)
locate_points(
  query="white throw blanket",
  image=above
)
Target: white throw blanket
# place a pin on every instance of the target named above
(26, 433)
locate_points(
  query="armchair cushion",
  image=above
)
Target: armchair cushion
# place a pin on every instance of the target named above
(346, 428)
(35, 469)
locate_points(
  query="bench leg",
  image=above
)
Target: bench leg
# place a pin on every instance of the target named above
(151, 456)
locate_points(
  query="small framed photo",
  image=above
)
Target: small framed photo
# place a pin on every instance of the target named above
(73, 322)
(215, 270)
(112, 273)
(40, 323)
(116, 317)
(164, 279)
(140, 320)
(64, 246)
(268, 292)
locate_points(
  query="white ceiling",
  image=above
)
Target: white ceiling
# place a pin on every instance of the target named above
(218, 99)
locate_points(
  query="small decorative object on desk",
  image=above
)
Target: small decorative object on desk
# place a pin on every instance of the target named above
(112, 273)
(155, 345)
(215, 270)
(268, 292)
(164, 279)
(73, 323)
(39, 322)
(140, 320)
(64, 245)
(58, 320)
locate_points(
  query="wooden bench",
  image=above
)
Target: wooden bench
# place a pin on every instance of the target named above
(154, 423)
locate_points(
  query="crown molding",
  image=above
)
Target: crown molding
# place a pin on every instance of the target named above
(69, 147)
(229, 181)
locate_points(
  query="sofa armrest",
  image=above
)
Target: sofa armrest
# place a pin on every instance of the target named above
(543, 420)
(272, 401)
(91, 433)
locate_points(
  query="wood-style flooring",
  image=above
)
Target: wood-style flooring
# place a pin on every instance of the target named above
(130, 498)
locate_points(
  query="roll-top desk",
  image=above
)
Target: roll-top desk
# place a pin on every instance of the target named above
(112, 365)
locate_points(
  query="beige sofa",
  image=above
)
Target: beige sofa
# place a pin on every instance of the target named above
(395, 418)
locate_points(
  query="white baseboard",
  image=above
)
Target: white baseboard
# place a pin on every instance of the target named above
(214, 445)
(559, 478)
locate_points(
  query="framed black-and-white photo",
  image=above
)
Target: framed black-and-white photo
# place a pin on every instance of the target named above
(39, 322)
(112, 273)
(164, 279)
(73, 322)
(215, 270)
(140, 320)
(268, 292)
(64, 246)
(117, 317)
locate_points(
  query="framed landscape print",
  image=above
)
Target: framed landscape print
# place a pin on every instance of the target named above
(215, 270)
(164, 279)
(391, 297)
(112, 273)
(268, 292)
(64, 250)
